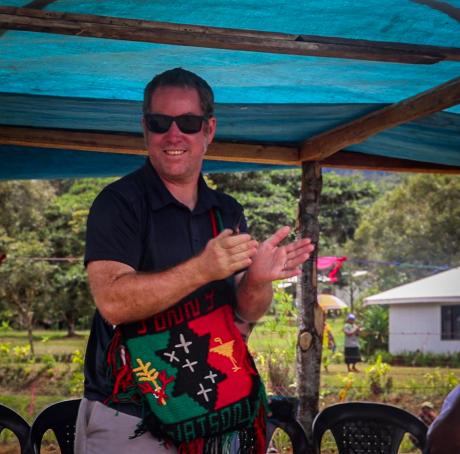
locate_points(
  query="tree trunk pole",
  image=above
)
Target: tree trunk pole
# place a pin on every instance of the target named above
(311, 323)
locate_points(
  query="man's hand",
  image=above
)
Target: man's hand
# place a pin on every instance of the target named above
(273, 262)
(226, 254)
(270, 263)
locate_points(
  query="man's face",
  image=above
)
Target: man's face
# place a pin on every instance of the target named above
(176, 156)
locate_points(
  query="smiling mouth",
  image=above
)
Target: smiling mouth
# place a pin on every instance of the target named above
(174, 152)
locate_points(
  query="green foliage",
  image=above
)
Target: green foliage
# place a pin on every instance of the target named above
(343, 199)
(39, 220)
(267, 197)
(277, 358)
(271, 199)
(76, 384)
(378, 377)
(425, 359)
(415, 223)
(24, 291)
(22, 204)
(351, 387)
(441, 381)
(20, 354)
(281, 442)
(374, 335)
(5, 327)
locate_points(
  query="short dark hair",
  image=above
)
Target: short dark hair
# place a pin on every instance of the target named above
(179, 77)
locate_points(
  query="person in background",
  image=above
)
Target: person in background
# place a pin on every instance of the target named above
(329, 346)
(330, 338)
(444, 435)
(352, 352)
(427, 414)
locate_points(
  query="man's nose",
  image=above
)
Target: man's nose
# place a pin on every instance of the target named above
(174, 130)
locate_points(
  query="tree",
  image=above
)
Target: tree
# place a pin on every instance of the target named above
(412, 229)
(343, 199)
(267, 198)
(42, 223)
(66, 227)
(72, 297)
(271, 199)
(24, 277)
(22, 204)
(26, 281)
(374, 337)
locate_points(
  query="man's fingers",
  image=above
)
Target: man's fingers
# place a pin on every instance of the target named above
(228, 240)
(287, 273)
(299, 255)
(301, 244)
(278, 236)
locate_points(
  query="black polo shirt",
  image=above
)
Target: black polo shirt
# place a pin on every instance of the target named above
(137, 221)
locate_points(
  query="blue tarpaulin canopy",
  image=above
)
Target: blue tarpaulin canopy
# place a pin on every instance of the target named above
(71, 85)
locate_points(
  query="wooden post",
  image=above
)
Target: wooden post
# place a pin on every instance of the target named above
(309, 342)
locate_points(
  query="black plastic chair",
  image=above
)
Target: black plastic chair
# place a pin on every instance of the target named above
(367, 428)
(283, 417)
(10, 420)
(60, 418)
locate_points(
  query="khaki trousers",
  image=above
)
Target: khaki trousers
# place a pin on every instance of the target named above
(101, 429)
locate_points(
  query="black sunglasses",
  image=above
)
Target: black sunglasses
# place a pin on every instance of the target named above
(187, 123)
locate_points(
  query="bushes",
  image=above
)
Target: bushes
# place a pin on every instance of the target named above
(63, 373)
(419, 359)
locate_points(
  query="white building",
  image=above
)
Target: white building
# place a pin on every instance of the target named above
(424, 315)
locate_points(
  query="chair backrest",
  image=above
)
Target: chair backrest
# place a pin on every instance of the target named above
(60, 418)
(293, 429)
(283, 416)
(10, 420)
(367, 427)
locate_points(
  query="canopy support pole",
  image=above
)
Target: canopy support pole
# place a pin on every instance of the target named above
(311, 319)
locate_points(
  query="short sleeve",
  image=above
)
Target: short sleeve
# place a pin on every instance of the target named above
(348, 329)
(114, 230)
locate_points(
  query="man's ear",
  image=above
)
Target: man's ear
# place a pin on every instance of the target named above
(212, 125)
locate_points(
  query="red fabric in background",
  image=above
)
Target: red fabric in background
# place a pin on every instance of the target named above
(326, 262)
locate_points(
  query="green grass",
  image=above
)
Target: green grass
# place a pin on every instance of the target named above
(280, 344)
(411, 385)
(47, 342)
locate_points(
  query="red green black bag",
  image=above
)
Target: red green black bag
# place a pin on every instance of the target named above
(191, 366)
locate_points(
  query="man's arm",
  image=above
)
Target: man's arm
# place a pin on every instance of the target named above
(272, 262)
(124, 295)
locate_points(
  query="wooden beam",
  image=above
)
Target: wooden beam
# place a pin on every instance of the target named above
(218, 151)
(221, 38)
(134, 144)
(253, 153)
(362, 161)
(72, 140)
(321, 146)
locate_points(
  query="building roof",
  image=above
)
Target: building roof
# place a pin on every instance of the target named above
(441, 288)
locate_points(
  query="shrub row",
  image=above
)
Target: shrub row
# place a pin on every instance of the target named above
(420, 359)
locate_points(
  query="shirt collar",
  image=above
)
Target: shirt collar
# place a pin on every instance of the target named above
(160, 196)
